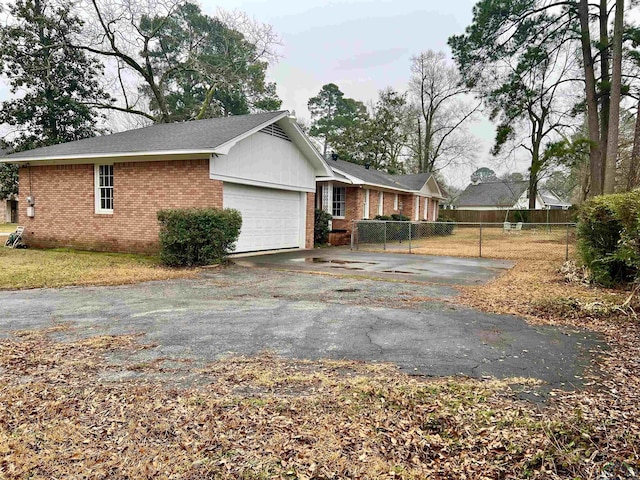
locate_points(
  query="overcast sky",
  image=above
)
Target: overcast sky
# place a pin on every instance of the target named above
(360, 45)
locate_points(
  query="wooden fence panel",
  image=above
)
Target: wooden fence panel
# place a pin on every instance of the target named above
(499, 216)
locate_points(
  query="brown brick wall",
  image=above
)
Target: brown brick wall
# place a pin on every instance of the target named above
(407, 205)
(389, 198)
(354, 209)
(310, 220)
(65, 209)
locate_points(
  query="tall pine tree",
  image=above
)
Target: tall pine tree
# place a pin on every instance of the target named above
(53, 84)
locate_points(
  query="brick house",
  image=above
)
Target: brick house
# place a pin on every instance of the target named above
(356, 192)
(103, 193)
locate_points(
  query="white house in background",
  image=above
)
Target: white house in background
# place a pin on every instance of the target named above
(506, 195)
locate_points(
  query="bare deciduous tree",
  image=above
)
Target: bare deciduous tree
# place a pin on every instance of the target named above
(442, 110)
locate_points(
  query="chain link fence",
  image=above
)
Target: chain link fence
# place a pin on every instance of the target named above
(517, 241)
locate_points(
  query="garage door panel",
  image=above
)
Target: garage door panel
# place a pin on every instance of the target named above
(271, 218)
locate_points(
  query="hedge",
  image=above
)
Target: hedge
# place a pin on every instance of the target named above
(194, 237)
(609, 237)
(321, 227)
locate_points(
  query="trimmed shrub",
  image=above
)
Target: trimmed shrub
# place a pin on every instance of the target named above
(193, 237)
(321, 227)
(609, 237)
(398, 217)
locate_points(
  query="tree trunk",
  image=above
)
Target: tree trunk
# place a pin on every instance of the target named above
(605, 84)
(595, 153)
(419, 146)
(614, 110)
(633, 179)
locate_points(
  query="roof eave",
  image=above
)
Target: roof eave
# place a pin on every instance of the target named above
(50, 159)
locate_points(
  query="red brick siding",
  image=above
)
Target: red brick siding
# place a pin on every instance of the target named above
(65, 208)
(310, 220)
(354, 209)
(407, 205)
(389, 199)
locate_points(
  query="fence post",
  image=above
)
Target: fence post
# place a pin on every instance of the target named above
(353, 233)
(566, 256)
(385, 236)
(410, 228)
(480, 243)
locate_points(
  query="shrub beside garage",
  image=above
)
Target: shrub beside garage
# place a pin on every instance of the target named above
(321, 227)
(195, 237)
(609, 237)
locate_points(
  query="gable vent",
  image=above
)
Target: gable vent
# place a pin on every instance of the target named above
(275, 131)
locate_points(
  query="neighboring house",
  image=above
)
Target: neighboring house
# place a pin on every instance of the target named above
(356, 192)
(104, 192)
(8, 206)
(505, 195)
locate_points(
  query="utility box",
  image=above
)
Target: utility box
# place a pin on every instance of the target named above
(31, 212)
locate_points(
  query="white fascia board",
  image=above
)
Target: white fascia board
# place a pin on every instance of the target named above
(259, 183)
(100, 156)
(225, 147)
(302, 141)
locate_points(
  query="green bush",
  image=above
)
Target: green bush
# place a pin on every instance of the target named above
(321, 227)
(609, 237)
(195, 237)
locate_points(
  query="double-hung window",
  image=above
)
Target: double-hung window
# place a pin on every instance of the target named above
(104, 188)
(339, 202)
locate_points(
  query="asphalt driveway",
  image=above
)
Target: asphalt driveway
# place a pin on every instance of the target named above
(298, 315)
(414, 268)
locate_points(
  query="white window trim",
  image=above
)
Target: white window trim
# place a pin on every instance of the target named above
(381, 203)
(96, 190)
(395, 202)
(339, 217)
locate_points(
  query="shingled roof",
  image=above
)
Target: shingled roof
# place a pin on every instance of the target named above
(410, 182)
(197, 135)
(492, 194)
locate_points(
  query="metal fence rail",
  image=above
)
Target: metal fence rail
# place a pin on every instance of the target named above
(492, 240)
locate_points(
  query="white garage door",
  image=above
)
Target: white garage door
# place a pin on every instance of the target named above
(271, 219)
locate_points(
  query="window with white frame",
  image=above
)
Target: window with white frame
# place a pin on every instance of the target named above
(395, 202)
(381, 203)
(339, 202)
(104, 188)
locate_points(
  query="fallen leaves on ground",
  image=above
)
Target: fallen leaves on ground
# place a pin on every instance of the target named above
(62, 415)
(544, 292)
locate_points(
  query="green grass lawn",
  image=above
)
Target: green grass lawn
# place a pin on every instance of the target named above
(8, 227)
(33, 268)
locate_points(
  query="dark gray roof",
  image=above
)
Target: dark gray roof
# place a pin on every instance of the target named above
(376, 177)
(492, 194)
(414, 181)
(189, 136)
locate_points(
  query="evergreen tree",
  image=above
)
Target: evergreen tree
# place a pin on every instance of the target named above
(53, 84)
